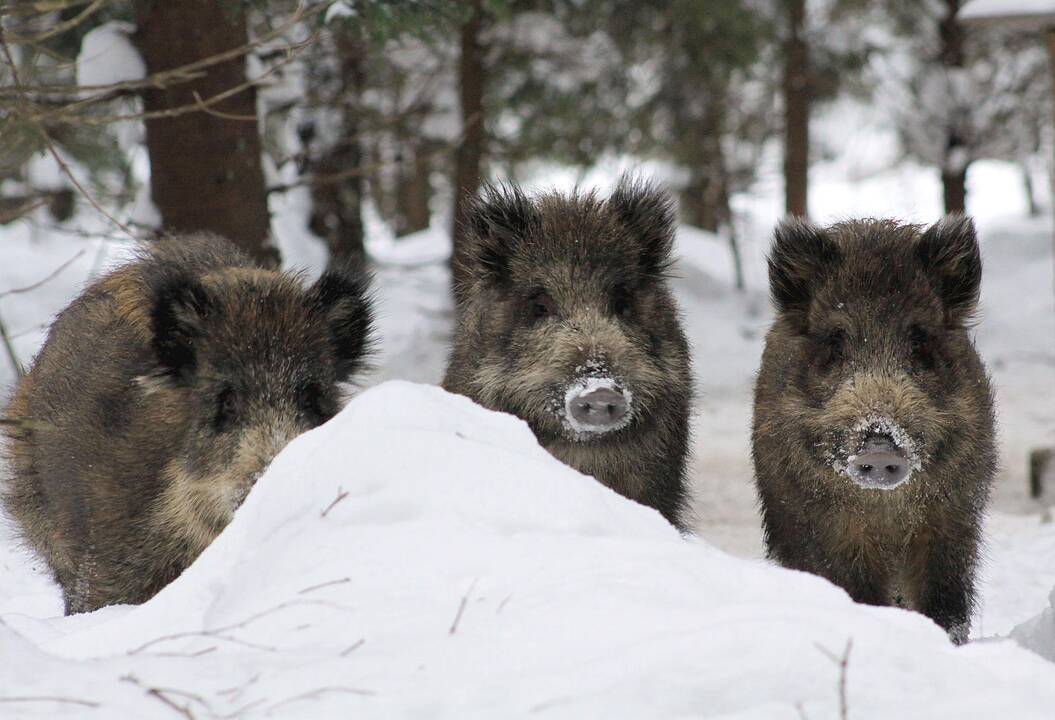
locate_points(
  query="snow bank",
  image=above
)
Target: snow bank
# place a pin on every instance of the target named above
(420, 556)
(1038, 634)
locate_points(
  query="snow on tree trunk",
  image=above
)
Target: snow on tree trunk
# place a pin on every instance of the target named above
(205, 165)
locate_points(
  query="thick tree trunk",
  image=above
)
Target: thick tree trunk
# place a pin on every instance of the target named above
(796, 89)
(954, 174)
(205, 171)
(337, 205)
(469, 158)
(414, 188)
(705, 202)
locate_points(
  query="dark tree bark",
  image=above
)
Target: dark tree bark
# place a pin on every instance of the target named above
(954, 168)
(796, 89)
(705, 201)
(205, 171)
(413, 187)
(337, 205)
(470, 154)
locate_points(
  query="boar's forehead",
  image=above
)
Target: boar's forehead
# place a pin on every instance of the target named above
(265, 326)
(578, 242)
(878, 280)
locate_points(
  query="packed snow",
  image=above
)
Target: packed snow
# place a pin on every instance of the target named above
(422, 556)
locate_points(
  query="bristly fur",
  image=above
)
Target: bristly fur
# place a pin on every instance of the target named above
(870, 331)
(160, 395)
(601, 266)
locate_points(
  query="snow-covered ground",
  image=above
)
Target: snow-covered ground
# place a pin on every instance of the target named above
(422, 557)
(564, 598)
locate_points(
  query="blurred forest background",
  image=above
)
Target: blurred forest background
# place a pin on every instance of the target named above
(396, 109)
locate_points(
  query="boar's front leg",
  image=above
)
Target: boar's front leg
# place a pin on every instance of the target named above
(943, 559)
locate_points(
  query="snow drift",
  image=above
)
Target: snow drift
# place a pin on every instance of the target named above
(421, 556)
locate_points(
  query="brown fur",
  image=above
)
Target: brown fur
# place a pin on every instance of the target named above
(160, 395)
(873, 321)
(602, 264)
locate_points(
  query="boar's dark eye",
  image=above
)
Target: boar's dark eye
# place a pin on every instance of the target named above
(621, 301)
(313, 404)
(833, 348)
(922, 346)
(542, 306)
(226, 409)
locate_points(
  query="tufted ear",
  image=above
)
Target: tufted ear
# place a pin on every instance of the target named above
(181, 308)
(492, 224)
(341, 296)
(802, 255)
(648, 212)
(948, 252)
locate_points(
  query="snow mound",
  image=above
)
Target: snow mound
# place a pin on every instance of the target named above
(1038, 634)
(421, 556)
(108, 56)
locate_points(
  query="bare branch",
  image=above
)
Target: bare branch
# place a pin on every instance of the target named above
(51, 699)
(53, 274)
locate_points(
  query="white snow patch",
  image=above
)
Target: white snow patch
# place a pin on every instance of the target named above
(1038, 634)
(108, 55)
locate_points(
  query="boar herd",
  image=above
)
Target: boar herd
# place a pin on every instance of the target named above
(165, 389)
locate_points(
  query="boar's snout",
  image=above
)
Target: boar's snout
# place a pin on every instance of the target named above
(600, 408)
(597, 405)
(880, 464)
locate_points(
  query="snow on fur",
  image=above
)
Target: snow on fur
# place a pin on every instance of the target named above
(419, 555)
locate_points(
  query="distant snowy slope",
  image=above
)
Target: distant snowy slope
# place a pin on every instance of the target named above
(419, 556)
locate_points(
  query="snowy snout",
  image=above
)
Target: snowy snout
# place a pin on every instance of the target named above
(597, 406)
(881, 464)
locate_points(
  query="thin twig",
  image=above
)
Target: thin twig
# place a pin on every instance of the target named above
(341, 495)
(316, 693)
(51, 146)
(313, 588)
(844, 664)
(9, 347)
(46, 698)
(353, 647)
(53, 274)
(461, 608)
(60, 27)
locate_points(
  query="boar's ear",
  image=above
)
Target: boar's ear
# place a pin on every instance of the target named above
(341, 296)
(948, 252)
(179, 314)
(491, 225)
(648, 212)
(802, 254)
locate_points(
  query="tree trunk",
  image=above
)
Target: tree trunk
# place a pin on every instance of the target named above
(469, 158)
(796, 89)
(205, 172)
(957, 158)
(414, 187)
(337, 205)
(954, 190)
(1029, 189)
